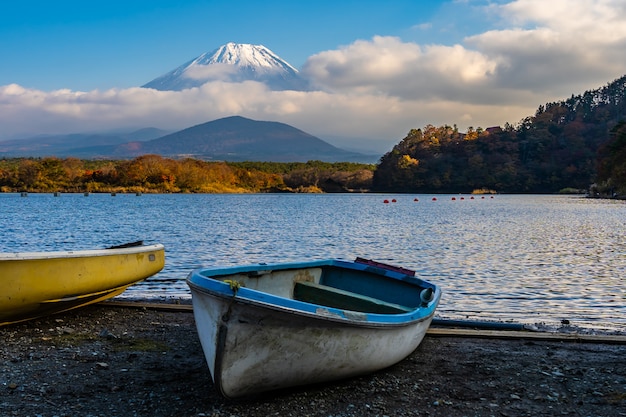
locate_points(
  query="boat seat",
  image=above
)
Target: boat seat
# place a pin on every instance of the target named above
(311, 292)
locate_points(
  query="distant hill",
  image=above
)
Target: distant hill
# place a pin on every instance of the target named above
(233, 62)
(237, 138)
(79, 145)
(229, 139)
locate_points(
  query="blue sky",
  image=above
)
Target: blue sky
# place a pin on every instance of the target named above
(74, 66)
(105, 44)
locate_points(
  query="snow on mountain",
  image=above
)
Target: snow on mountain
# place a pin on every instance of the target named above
(233, 62)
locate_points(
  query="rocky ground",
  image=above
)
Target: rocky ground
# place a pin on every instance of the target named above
(106, 361)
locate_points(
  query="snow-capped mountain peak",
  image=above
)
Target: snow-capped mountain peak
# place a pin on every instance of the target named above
(232, 62)
(244, 55)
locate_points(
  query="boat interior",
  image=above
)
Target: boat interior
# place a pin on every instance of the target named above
(336, 287)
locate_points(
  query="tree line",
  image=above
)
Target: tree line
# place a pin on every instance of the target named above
(156, 174)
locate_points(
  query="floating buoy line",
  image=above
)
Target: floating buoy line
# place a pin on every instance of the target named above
(387, 201)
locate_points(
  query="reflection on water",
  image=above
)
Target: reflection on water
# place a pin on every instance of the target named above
(527, 259)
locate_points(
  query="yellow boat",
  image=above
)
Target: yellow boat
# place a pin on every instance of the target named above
(36, 284)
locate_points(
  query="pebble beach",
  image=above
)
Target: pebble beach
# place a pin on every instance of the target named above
(107, 360)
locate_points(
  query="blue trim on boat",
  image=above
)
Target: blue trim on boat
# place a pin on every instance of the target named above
(206, 279)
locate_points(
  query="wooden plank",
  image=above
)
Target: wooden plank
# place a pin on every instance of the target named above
(527, 335)
(311, 292)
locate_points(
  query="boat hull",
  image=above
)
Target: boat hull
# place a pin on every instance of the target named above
(37, 284)
(256, 345)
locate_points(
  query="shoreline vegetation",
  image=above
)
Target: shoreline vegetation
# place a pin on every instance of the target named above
(153, 174)
(156, 174)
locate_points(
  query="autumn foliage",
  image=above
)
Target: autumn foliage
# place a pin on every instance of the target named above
(155, 174)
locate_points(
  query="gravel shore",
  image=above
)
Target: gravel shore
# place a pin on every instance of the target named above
(114, 361)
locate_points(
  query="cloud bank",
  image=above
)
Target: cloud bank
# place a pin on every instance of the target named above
(372, 92)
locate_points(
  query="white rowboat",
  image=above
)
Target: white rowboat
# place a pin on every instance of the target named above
(271, 326)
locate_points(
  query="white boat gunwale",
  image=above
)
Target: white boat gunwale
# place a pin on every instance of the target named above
(19, 256)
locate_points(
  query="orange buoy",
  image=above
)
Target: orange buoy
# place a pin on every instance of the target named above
(453, 198)
(386, 201)
(434, 198)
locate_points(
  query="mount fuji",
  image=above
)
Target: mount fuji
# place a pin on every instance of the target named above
(233, 62)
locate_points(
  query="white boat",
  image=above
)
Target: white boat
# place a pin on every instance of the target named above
(270, 326)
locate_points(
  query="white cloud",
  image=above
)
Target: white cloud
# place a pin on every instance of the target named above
(593, 20)
(389, 66)
(378, 121)
(559, 47)
(375, 90)
(364, 64)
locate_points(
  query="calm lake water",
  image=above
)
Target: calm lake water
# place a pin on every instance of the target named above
(521, 258)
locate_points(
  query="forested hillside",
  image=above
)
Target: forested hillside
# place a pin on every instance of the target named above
(557, 148)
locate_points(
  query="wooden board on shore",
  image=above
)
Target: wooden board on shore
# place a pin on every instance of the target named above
(527, 335)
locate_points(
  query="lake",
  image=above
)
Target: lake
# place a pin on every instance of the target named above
(523, 258)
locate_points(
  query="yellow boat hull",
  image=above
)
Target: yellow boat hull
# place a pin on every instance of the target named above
(37, 284)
